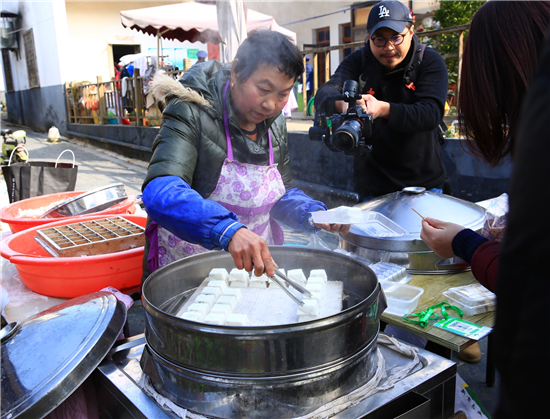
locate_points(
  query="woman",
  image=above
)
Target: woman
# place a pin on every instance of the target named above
(220, 174)
(499, 61)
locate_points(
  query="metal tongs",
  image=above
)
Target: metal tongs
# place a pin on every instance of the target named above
(293, 284)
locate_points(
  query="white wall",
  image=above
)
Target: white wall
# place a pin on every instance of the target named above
(95, 25)
(423, 6)
(289, 11)
(45, 18)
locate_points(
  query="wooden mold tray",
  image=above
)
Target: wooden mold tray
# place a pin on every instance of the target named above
(96, 237)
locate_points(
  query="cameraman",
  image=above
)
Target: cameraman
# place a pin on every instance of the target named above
(405, 91)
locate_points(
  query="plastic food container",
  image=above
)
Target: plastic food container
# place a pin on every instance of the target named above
(371, 223)
(340, 215)
(472, 299)
(378, 225)
(26, 213)
(391, 272)
(70, 277)
(402, 298)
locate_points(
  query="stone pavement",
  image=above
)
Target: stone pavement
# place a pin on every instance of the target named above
(98, 168)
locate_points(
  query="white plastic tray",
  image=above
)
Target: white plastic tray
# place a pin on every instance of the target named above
(386, 271)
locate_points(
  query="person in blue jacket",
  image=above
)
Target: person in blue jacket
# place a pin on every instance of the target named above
(220, 175)
(309, 79)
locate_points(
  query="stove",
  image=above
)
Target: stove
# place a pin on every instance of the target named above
(427, 392)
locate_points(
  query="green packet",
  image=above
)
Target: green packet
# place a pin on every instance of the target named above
(463, 328)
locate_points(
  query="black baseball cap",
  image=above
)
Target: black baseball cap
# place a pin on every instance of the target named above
(389, 14)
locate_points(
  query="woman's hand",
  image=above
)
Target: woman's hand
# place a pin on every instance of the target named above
(334, 228)
(250, 251)
(439, 235)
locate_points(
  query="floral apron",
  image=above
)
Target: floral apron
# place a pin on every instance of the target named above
(248, 190)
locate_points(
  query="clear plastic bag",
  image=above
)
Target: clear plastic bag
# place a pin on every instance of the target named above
(495, 218)
(317, 243)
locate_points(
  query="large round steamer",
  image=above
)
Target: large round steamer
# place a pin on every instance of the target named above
(409, 250)
(280, 371)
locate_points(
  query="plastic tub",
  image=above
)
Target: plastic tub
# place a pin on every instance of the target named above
(472, 299)
(473, 310)
(11, 214)
(70, 277)
(402, 298)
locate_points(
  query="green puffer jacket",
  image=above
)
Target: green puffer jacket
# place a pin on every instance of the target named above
(192, 144)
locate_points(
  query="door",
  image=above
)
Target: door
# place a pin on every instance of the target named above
(322, 38)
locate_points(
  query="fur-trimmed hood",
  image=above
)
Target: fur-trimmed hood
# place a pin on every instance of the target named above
(164, 88)
(201, 84)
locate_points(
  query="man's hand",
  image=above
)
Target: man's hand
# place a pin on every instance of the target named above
(377, 108)
(250, 251)
(439, 235)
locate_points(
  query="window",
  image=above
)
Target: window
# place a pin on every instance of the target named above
(7, 70)
(30, 55)
(323, 40)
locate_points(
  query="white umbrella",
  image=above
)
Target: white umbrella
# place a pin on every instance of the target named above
(231, 25)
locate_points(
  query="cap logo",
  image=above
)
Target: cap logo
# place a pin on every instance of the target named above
(384, 12)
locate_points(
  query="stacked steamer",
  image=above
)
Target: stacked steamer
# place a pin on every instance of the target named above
(284, 369)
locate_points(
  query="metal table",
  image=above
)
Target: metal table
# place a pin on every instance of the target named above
(428, 392)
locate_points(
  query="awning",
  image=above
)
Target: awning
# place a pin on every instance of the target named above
(193, 22)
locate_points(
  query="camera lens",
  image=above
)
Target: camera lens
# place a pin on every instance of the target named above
(347, 136)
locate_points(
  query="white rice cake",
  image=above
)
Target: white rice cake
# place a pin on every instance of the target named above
(235, 292)
(239, 278)
(319, 296)
(219, 274)
(224, 309)
(318, 273)
(236, 319)
(222, 285)
(215, 291)
(195, 316)
(316, 287)
(259, 281)
(206, 299)
(228, 299)
(215, 318)
(311, 307)
(297, 275)
(202, 308)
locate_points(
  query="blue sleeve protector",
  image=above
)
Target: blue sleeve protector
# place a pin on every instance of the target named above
(294, 209)
(174, 205)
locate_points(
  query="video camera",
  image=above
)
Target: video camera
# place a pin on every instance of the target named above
(349, 129)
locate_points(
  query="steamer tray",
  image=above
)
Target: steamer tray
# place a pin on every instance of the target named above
(96, 237)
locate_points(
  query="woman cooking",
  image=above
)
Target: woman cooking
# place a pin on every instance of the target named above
(220, 174)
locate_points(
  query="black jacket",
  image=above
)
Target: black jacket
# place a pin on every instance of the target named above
(406, 149)
(521, 338)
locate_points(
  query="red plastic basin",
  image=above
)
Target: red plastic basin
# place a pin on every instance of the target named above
(70, 277)
(11, 213)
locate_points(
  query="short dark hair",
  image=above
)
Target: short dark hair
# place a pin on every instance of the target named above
(499, 60)
(271, 48)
